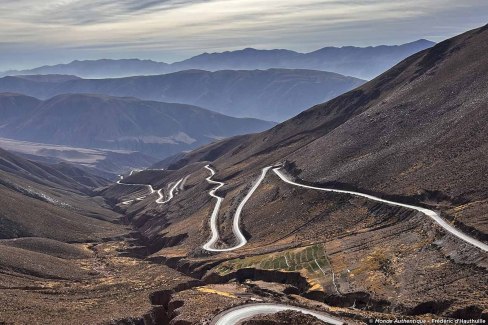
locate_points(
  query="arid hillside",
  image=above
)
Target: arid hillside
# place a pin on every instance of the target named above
(369, 206)
(417, 131)
(413, 135)
(63, 251)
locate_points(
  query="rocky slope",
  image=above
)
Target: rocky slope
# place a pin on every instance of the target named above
(417, 131)
(283, 318)
(52, 202)
(413, 134)
(348, 256)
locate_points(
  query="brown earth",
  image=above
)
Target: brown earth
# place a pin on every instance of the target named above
(284, 318)
(412, 135)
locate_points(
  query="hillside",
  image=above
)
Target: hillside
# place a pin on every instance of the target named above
(360, 62)
(47, 175)
(50, 201)
(60, 250)
(275, 94)
(416, 134)
(96, 121)
(15, 107)
(413, 131)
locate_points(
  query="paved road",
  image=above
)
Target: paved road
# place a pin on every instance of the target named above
(432, 214)
(237, 314)
(215, 213)
(159, 200)
(171, 193)
(182, 184)
(241, 240)
(151, 189)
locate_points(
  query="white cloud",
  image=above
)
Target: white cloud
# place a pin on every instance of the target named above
(152, 28)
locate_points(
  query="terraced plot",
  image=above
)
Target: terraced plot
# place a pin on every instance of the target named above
(310, 261)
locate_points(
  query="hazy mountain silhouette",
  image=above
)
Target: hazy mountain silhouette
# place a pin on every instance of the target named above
(96, 121)
(275, 94)
(360, 62)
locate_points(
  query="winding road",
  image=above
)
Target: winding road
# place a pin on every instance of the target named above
(237, 314)
(151, 189)
(159, 200)
(234, 315)
(209, 246)
(171, 193)
(215, 213)
(430, 213)
(242, 240)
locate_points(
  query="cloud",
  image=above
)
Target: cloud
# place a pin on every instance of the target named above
(172, 29)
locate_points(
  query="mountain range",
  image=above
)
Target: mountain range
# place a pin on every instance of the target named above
(330, 211)
(275, 94)
(360, 62)
(414, 136)
(97, 121)
(410, 132)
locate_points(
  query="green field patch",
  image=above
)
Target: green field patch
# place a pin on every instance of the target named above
(303, 260)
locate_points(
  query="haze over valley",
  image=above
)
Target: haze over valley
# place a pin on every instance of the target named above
(273, 95)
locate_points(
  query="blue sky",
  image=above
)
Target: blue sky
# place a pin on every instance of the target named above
(34, 32)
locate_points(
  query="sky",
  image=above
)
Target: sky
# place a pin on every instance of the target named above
(39, 32)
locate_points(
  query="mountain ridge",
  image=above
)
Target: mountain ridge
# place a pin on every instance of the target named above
(273, 94)
(350, 139)
(351, 171)
(101, 121)
(262, 59)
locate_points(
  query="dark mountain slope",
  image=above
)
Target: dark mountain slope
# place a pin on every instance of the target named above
(275, 94)
(155, 128)
(418, 130)
(415, 134)
(15, 107)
